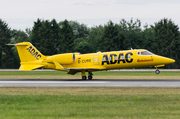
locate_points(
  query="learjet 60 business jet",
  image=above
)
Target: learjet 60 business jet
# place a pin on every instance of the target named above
(72, 63)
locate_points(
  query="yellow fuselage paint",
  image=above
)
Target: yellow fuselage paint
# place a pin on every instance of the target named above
(114, 60)
(32, 59)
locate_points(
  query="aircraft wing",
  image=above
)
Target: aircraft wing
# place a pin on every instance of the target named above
(75, 70)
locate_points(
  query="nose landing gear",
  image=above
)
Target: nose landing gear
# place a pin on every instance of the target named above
(157, 71)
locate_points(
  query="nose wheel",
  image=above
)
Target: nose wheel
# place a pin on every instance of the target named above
(157, 71)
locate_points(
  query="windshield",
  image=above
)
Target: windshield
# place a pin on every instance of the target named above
(144, 53)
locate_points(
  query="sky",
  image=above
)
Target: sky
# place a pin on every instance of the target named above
(21, 14)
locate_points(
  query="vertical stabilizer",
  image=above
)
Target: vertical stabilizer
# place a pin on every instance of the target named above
(27, 52)
(30, 57)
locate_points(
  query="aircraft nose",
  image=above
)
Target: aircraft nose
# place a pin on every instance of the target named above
(165, 60)
(169, 60)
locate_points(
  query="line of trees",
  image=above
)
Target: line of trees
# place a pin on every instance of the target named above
(52, 37)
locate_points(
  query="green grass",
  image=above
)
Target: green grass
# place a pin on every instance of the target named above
(98, 73)
(156, 105)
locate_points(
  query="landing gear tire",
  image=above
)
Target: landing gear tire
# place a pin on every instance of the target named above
(157, 71)
(90, 77)
(83, 77)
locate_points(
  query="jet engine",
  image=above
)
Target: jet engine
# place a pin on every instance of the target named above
(67, 58)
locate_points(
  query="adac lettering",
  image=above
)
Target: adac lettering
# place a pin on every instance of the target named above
(34, 52)
(113, 58)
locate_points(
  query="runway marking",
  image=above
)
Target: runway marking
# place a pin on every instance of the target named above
(59, 82)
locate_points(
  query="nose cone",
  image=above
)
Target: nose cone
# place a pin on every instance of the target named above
(168, 61)
(172, 61)
(164, 60)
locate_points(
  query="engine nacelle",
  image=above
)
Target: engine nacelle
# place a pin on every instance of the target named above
(68, 58)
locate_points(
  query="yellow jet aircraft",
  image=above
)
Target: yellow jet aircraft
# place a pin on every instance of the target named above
(72, 63)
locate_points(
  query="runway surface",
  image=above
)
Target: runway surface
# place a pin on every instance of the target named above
(88, 83)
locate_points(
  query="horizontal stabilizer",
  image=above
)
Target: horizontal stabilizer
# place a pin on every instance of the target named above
(18, 44)
(29, 67)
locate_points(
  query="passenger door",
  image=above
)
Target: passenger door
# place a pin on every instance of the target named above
(96, 59)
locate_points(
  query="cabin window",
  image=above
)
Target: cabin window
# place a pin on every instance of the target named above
(122, 57)
(95, 59)
(129, 56)
(144, 53)
(116, 58)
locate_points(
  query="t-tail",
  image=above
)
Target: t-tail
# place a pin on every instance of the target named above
(30, 57)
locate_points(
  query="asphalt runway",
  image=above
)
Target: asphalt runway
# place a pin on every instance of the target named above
(88, 83)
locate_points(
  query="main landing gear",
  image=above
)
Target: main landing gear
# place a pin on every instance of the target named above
(90, 75)
(84, 75)
(157, 71)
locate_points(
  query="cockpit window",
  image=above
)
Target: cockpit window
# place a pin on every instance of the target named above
(144, 53)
